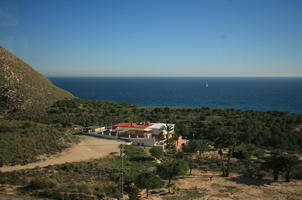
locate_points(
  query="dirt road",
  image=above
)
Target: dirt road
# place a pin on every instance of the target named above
(89, 148)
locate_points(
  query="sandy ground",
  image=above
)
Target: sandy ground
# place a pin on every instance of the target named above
(89, 148)
(235, 187)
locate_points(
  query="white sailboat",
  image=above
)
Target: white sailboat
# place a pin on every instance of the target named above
(207, 85)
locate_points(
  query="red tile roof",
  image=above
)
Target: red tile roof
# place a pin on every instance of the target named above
(131, 125)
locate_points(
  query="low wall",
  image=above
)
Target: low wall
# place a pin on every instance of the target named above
(101, 136)
(143, 141)
(134, 141)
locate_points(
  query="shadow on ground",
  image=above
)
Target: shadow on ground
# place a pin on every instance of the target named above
(249, 181)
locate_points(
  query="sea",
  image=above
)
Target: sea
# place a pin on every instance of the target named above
(263, 94)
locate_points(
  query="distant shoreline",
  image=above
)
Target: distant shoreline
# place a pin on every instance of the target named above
(245, 93)
(117, 76)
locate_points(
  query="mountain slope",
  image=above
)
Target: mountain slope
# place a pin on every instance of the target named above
(24, 89)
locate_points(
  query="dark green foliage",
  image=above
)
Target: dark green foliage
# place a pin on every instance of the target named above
(182, 129)
(170, 146)
(157, 152)
(134, 153)
(242, 153)
(297, 173)
(275, 130)
(289, 163)
(148, 180)
(279, 163)
(251, 172)
(192, 164)
(274, 162)
(195, 146)
(81, 180)
(172, 168)
(134, 193)
(41, 183)
(263, 129)
(225, 142)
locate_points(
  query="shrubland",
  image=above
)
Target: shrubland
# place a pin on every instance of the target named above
(22, 142)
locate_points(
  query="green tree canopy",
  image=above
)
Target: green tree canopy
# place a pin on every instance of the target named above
(172, 168)
(195, 146)
(148, 180)
(225, 141)
(275, 163)
(242, 153)
(289, 163)
(157, 152)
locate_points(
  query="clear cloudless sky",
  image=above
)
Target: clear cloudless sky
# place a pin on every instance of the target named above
(155, 37)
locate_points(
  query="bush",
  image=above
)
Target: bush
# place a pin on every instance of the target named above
(251, 172)
(297, 173)
(81, 188)
(41, 183)
(157, 152)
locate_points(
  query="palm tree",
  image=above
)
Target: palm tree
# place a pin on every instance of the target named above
(168, 128)
(170, 143)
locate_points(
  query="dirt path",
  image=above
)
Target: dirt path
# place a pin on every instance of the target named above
(89, 148)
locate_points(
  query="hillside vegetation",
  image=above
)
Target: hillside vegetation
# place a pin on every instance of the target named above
(22, 142)
(36, 118)
(272, 129)
(24, 89)
(83, 180)
(100, 179)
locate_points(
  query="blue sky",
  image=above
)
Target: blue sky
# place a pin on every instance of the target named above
(155, 37)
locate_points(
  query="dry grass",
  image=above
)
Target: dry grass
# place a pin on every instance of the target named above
(211, 186)
(89, 148)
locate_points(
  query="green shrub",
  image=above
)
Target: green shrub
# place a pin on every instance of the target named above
(41, 183)
(81, 188)
(251, 172)
(22, 142)
(157, 152)
(297, 173)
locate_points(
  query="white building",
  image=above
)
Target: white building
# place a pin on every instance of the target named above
(158, 128)
(143, 134)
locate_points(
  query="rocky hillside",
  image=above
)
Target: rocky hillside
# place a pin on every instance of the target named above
(24, 89)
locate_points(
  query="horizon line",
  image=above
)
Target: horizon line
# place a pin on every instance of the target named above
(175, 76)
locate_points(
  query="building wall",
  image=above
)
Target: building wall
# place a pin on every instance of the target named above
(143, 141)
(100, 135)
(179, 143)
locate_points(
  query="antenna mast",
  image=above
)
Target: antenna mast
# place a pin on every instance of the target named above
(122, 170)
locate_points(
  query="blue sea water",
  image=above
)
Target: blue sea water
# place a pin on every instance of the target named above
(283, 94)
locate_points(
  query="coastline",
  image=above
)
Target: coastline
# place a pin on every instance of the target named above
(244, 93)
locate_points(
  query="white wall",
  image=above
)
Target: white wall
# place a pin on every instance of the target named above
(145, 141)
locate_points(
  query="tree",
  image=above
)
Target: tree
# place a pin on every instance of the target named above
(148, 180)
(289, 163)
(133, 192)
(157, 152)
(168, 128)
(165, 133)
(242, 153)
(275, 163)
(172, 168)
(192, 163)
(195, 146)
(182, 129)
(170, 146)
(225, 142)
